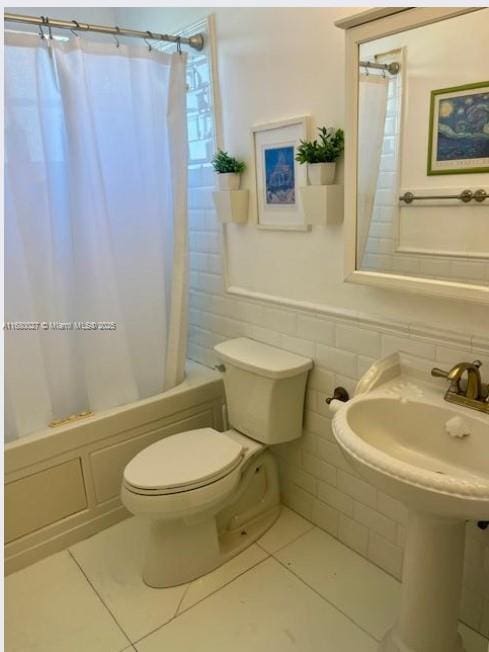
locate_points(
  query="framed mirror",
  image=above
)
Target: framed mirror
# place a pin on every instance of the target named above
(417, 152)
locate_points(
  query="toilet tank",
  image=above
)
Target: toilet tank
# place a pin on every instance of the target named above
(265, 389)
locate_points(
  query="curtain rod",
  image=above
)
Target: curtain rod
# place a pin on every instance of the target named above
(393, 68)
(195, 41)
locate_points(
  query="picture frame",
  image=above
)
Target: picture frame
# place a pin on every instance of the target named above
(278, 175)
(459, 130)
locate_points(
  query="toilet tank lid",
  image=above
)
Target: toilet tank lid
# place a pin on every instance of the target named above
(262, 359)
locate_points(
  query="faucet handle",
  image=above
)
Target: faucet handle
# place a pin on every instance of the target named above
(477, 363)
(439, 373)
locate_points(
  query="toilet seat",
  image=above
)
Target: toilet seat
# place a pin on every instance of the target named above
(183, 462)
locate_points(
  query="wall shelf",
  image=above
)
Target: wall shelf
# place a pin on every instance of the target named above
(232, 205)
(322, 205)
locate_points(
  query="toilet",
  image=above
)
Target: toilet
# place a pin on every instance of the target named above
(209, 494)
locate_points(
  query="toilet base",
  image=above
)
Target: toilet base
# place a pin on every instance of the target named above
(181, 550)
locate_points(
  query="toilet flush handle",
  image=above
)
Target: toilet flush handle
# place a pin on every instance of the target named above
(220, 367)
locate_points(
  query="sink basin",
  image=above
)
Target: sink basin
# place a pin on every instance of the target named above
(403, 438)
(402, 446)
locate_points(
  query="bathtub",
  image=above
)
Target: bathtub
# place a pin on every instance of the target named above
(62, 484)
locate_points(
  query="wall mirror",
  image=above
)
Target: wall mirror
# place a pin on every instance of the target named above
(417, 160)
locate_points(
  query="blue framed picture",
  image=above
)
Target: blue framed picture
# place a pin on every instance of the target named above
(459, 130)
(279, 175)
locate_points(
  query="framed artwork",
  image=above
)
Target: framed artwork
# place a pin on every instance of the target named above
(459, 130)
(278, 176)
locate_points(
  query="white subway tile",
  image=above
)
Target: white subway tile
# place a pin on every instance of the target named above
(319, 468)
(414, 346)
(266, 335)
(364, 364)
(342, 362)
(385, 554)
(358, 340)
(325, 517)
(376, 521)
(321, 379)
(331, 452)
(302, 479)
(319, 425)
(317, 330)
(311, 399)
(357, 488)
(335, 498)
(299, 346)
(392, 508)
(297, 499)
(353, 534)
(283, 321)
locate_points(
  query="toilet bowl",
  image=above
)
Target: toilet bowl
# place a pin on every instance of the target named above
(209, 494)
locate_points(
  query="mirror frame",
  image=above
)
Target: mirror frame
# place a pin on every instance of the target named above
(359, 29)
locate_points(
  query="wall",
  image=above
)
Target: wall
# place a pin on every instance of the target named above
(280, 63)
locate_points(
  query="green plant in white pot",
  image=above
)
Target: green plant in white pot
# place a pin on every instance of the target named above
(321, 155)
(229, 170)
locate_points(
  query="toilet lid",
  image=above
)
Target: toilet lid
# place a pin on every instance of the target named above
(184, 461)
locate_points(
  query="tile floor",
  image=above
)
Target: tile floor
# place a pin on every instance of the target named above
(297, 589)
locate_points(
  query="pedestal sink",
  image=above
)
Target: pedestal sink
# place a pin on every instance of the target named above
(404, 439)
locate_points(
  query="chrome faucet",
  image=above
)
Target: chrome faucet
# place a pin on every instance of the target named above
(474, 394)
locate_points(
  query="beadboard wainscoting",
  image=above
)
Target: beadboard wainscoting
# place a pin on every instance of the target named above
(316, 481)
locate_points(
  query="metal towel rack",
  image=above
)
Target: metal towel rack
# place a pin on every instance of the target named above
(465, 196)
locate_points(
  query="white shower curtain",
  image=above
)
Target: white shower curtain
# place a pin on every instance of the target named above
(372, 106)
(95, 226)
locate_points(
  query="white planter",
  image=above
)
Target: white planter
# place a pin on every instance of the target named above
(228, 181)
(231, 205)
(321, 174)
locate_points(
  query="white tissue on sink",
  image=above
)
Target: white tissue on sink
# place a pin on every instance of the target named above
(456, 427)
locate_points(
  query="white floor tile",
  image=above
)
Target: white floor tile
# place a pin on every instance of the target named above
(265, 610)
(358, 588)
(113, 562)
(206, 585)
(473, 642)
(50, 607)
(288, 527)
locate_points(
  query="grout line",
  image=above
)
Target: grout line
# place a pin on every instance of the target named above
(177, 610)
(299, 536)
(99, 596)
(325, 599)
(268, 555)
(180, 613)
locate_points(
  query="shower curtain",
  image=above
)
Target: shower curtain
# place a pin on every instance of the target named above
(372, 106)
(95, 226)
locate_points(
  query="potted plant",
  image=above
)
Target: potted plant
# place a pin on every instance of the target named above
(229, 170)
(321, 155)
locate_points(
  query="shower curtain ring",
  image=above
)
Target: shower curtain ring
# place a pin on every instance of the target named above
(179, 44)
(146, 40)
(41, 33)
(117, 44)
(49, 28)
(77, 25)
